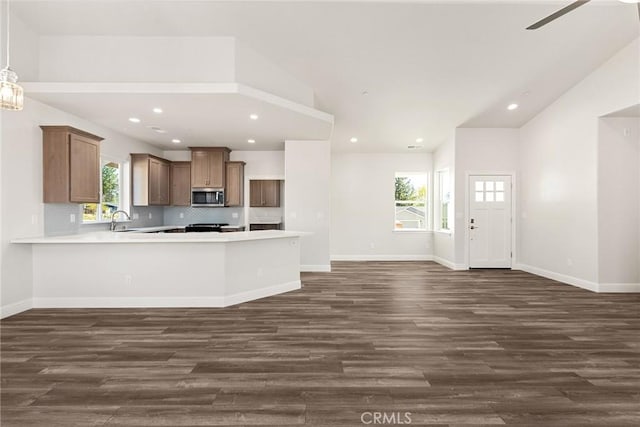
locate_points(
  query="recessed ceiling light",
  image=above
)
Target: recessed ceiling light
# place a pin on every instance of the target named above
(512, 107)
(419, 140)
(176, 141)
(253, 116)
(134, 120)
(414, 147)
(157, 110)
(354, 139)
(251, 141)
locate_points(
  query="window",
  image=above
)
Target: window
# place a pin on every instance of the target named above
(411, 201)
(111, 180)
(489, 191)
(444, 212)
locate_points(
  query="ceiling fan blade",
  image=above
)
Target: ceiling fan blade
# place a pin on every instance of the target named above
(558, 14)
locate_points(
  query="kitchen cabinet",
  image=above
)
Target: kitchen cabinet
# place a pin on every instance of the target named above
(264, 193)
(149, 180)
(234, 189)
(71, 165)
(180, 183)
(208, 166)
(257, 227)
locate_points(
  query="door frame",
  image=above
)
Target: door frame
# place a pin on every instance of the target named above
(467, 213)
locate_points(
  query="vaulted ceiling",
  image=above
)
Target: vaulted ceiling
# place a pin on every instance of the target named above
(390, 72)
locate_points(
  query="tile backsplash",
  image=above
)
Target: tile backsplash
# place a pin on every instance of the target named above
(234, 216)
(57, 219)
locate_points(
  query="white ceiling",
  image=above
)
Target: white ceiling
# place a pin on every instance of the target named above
(197, 114)
(428, 67)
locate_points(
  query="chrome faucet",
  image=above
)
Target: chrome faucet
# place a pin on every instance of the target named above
(112, 227)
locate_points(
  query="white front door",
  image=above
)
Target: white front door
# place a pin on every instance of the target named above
(489, 221)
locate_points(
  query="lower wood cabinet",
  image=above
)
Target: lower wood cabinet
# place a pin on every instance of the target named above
(180, 183)
(257, 227)
(149, 180)
(71, 165)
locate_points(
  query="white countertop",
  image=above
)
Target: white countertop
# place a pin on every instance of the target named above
(133, 237)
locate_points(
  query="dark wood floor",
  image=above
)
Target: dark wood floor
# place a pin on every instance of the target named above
(451, 348)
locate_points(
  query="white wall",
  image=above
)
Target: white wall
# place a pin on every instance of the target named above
(307, 201)
(136, 59)
(443, 242)
(619, 200)
(21, 170)
(479, 150)
(362, 207)
(558, 163)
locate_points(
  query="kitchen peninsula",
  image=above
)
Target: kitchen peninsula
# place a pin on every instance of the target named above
(110, 269)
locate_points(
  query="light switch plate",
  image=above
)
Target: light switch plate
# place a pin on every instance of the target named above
(150, 215)
(181, 214)
(72, 217)
(234, 215)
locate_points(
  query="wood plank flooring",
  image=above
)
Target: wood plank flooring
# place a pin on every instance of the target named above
(451, 348)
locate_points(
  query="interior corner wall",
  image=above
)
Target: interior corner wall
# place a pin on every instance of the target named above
(444, 243)
(362, 207)
(558, 222)
(22, 209)
(619, 200)
(479, 150)
(307, 199)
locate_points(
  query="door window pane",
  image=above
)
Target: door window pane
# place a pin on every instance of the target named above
(489, 185)
(499, 186)
(479, 185)
(479, 196)
(489, 196)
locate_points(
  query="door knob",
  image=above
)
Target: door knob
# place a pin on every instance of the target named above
(473, 227)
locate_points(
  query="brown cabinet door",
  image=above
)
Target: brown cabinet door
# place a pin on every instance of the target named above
(271, 193)
(217, 169)
(200, 166)
(158, 182)
(84, 176)
(234, 194)
(255, 193)
(181, 184)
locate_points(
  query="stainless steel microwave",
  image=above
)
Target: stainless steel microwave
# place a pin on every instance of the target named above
(207, 197)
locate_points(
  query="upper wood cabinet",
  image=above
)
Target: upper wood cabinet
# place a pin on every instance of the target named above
(71, 165)
(181, 183)
(208, 166)
(149, 180)
(264, 193)
(234, 190)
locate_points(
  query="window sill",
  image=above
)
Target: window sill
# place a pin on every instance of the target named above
(411, 230)
(447, 232)
(103, 222)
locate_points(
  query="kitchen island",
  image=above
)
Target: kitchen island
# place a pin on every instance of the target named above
(111, 269)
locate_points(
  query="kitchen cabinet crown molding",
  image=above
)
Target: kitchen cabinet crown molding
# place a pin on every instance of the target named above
(71, 129)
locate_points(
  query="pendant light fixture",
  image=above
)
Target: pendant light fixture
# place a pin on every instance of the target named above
(11, 93)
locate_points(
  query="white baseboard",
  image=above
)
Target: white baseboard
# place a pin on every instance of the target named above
(154, 302)
(619, 287)
(381, 257)
(262, 293)
(570, 280)
(449, 264)
(316, 268)
(15, 308)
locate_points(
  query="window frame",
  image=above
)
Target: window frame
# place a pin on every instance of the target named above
(427, 203)
(123, 179)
